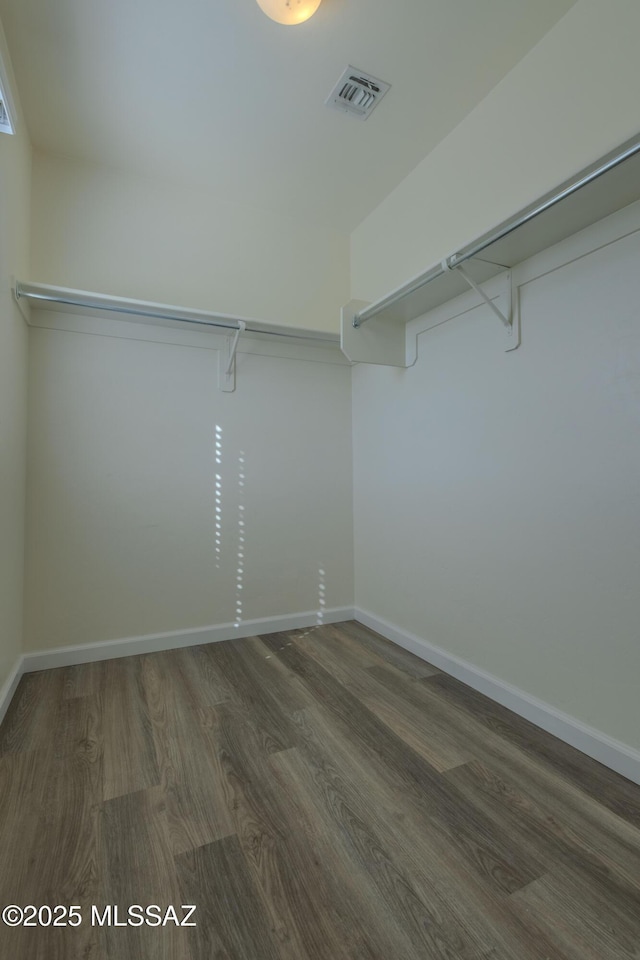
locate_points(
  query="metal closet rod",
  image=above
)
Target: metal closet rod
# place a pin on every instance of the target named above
(569, 187)
(225, 323)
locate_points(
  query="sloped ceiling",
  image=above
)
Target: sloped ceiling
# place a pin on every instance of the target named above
(214, 93)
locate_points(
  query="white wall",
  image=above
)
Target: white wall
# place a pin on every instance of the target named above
(15, 160)
(95, 228)
(497, 494)
(573, 98)
(121, 485)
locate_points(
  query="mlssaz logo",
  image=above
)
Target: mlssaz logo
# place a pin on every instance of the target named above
(138, 916)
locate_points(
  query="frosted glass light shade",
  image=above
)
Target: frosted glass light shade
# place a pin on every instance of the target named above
(289, 11)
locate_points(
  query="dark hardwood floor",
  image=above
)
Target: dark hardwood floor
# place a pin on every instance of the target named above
(317, 795)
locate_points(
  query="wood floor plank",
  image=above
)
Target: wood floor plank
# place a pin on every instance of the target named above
(283, 684)
(396, 704)
(245, 673)
(71, 823)
(385, 651)
(186, 754)
(584, 927)
(610, 789)
(446, 881)
(129, 753)
(307, 915)
(564, 807)
(71, 817)
(493, 856)
(556, 845)
(384, 691)
(23, 778)
(139, 868)
(59, 823)
(394, 912)
(206, 680)
(232, 922)
(354, 656)
(30, 721)
(83, 680)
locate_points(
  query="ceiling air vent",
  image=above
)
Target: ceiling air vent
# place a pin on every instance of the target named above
(357, 93)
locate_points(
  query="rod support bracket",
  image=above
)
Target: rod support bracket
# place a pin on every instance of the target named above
(505, 318)
(227, 360)
(509, 314)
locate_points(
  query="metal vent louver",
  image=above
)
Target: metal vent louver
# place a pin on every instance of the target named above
(357, 93)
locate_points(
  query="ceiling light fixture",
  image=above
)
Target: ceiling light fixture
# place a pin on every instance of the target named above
(289, 11)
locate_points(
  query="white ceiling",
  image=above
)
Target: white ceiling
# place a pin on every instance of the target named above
(211, 92)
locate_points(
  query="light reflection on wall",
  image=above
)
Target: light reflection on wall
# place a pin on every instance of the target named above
(321, 597)
(241, 540)
(218, 448)
(321, 606)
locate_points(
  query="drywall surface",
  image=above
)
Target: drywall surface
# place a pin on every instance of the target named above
(497, 495)
(94, 228)
(156, 503)
(15, 160)
(572, 99)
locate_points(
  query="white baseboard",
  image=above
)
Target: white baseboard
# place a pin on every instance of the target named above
(9, 686)
(151, 643)
(612, 753)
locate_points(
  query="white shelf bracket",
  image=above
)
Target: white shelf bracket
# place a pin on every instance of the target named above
(511, 318)
(227, 360)
(489, 302)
